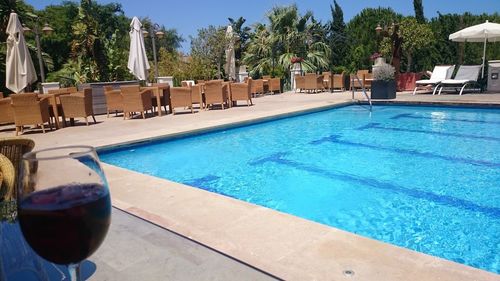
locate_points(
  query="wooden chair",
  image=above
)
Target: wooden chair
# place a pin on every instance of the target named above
(275, 85)
(114, 100)
(181, 97)
(135, 100)
(165, 98)
(78, 104)
(242, 91)
(28, 110)
(216, 93)
(6, 114)
(267, 77)
(300, 83)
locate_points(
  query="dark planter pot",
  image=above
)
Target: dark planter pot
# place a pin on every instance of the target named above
(383, 89)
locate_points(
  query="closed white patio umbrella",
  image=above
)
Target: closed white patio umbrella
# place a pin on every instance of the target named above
(19, 67)
(484, 32)
(230, 56)
(138, 63)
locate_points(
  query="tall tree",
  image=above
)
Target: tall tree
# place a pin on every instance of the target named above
(337, 37)
(87, 45)
(209, 46)
(419, 11)
(242, 36)
(362, 36)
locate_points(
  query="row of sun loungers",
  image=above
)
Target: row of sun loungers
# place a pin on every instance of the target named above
(467, 75)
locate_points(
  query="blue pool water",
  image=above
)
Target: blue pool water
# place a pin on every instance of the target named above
(425, 178)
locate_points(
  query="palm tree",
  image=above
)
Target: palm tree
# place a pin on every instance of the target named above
(286, 36)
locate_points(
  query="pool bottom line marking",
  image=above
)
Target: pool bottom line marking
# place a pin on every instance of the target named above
(378, 127)
(279, 158)
(409, 115)
(336, 139)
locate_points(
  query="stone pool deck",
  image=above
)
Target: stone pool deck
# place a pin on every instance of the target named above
(283, 245)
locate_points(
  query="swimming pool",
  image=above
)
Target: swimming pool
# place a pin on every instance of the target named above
(425, 178)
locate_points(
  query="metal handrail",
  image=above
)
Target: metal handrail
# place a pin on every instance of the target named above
(364, 91)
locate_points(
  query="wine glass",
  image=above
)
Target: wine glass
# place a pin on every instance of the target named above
(64, 206)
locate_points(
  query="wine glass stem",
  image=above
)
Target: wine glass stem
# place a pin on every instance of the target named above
(74, 272)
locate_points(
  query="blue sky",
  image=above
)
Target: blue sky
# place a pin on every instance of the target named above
(187, 16)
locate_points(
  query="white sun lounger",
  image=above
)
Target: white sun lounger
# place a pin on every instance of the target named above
(466, 75)
(440, 73)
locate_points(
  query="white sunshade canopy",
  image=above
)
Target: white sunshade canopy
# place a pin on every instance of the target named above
(19, 67)
(484, 32)
(138, 63)
(488, 31)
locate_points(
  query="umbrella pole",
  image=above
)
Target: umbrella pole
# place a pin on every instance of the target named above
(484, 57)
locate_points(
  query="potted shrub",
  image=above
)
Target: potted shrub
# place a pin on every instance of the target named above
(383, 84)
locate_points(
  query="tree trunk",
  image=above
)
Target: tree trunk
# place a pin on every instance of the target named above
(409, 61)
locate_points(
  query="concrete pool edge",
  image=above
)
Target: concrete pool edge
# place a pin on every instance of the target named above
(376, 271)
(279, 244)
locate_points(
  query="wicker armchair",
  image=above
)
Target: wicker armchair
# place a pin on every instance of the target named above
(28, 110)
(327, 80)
(181, 97)
(78, 105)
(216, 93)
(257, 87)
(135, 100)
(362, 74)
(13, 149)
(242, 91)
(6, 114)
(114, 100)
(275, 85)
(338, 82)
(300, 83)
(196, 95)
(314, 82)
(165, 97)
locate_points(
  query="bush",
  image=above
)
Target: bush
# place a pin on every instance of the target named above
(384, 72)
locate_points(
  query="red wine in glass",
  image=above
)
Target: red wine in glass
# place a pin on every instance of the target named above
(66, 224)
(64, 205)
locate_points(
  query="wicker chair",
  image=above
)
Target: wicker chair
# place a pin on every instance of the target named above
(242, 91)
(338, 82)
(78, 105)
(257, 87)
(362, 74)
(275, 85)
(314, 82)
(135, 100)
(28, 110)
(196, 95)
(267, 77)
(6, 114)
(216, 93)
(114, 100)
(300, 83)
(13, 149)
(165, 98)
(181, 97)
